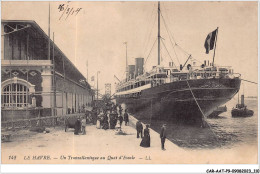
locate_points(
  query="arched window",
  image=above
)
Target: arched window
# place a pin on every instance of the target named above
(15, 95)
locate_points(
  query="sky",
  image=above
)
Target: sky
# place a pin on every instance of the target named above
(98, 32)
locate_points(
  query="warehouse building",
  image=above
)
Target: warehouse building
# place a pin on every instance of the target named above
(36, 82)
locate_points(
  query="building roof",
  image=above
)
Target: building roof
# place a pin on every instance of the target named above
(69, 66)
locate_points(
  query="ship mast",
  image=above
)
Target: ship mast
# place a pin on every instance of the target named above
(49, 39)
(159, 37)
(126, 70)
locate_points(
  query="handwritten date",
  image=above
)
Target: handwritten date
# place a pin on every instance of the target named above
(67, 11)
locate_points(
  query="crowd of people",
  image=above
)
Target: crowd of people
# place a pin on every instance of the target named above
(112, 117)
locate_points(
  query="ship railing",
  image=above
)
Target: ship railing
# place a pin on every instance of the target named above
(178, 76)
(209, 68)
(193, 75)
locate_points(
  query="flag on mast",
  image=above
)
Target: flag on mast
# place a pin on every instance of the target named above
(210, 41)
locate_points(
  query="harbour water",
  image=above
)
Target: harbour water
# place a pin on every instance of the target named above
(224, 131)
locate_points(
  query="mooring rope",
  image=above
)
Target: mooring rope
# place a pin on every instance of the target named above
(249, 81)
(204, 118)
(151, 112)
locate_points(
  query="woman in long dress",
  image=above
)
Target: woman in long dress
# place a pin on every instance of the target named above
(119, 122)
(117, 125)
(98, 125)
(146, 139)
(105, 122)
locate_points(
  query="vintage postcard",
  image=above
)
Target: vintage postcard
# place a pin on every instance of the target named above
(129, 82)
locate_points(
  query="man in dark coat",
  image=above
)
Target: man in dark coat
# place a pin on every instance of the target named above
(77, 127)
(139, 129)
(94, 116)
(105, 122)
(120, 109)
(163, 135)
(112, 121)
(115, 117)
(126, 118)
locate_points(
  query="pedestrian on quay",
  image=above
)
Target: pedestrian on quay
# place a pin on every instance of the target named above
(115, 117)
(83, 125)
(146, 139)
(139, 129)
(112, 121)
(94, 116)
(126, 117)
(111, 106)
(163, 135)
(120, 118)
(77, 126)
(115, 107)
(89, 118)
(99, 117)
(105, 124)
(120, 109)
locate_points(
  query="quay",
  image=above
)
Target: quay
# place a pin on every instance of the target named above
(101, 146)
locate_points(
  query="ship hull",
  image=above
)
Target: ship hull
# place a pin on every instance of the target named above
(174, 101)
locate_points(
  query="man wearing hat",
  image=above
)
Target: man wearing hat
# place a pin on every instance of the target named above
(77, 126)
(139, 128)
(126, 118)
(163, 135)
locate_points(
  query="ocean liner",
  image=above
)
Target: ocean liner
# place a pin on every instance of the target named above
(184, 94)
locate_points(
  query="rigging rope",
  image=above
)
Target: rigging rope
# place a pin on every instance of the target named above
(150, 51)
(149, 36)
(169, 21)
(170, 38)
(168, 54)
(182, 49)
(176, 54)
(167, 29)
(204, 117)
(171, 34)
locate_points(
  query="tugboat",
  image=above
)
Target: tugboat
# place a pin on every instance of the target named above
(241, 109)
(218, 111)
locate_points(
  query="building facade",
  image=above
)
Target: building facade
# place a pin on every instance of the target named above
(37, 79)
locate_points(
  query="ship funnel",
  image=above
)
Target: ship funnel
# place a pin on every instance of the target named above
(139, 66)
(131, 71)
(242, 99)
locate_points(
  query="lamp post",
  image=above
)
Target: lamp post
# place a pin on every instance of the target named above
(97, 83)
